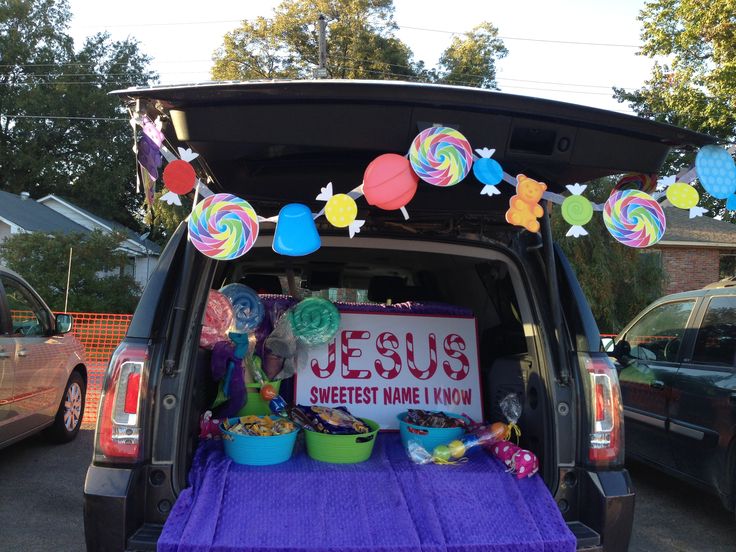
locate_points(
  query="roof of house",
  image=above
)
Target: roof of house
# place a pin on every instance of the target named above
(699, 231)
(32, 216)
(151, 246)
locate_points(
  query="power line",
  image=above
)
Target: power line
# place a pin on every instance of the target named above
(62, 117)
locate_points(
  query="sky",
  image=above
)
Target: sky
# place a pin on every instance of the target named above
(568, 50)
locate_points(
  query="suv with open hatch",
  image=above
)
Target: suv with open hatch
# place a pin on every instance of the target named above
(677, 362)
(43, 375)
(278, 143)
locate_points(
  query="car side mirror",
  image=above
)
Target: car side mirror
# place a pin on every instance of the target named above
(63, 323)
(622, 352)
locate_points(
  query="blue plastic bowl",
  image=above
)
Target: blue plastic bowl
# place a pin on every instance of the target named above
(428, 437)
(254, 450)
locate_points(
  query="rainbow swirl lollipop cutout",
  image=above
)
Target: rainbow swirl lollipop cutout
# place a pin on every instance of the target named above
(634, 218)
(441, 156)
(223, 226)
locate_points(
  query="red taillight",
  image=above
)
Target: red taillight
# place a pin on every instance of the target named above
(119, 420)
(606, 431)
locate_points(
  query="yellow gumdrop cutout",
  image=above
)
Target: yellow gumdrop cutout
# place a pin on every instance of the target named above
(682, 195)
(341, 210)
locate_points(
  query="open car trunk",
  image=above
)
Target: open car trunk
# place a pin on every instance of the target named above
(274, 143)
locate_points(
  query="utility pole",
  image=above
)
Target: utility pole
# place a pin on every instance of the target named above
(321, 71)
(68, 280)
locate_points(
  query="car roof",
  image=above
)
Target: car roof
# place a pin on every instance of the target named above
(712, 289)
(289, 138)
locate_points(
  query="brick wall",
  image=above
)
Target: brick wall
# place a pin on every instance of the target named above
(689, 268)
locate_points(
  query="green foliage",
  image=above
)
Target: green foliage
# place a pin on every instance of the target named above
(696, 87)
(360, 45)
(97, 283)
(87, 161)
(471, 60)
(618, 280)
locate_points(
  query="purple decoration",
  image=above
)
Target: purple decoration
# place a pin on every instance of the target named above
(149, 156)
(386, 503)
(222, 353)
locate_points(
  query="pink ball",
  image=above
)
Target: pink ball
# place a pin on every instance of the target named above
(389, 182)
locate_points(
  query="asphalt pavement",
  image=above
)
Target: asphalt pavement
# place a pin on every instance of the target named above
(41, 504)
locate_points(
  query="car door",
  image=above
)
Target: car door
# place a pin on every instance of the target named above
(7, 369)
(38, 377)
(646, 381)
(703, 405)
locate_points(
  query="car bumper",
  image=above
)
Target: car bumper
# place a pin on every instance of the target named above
(607, 506)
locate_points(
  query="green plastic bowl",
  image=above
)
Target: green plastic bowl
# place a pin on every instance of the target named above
(256, 405)
(342, 449)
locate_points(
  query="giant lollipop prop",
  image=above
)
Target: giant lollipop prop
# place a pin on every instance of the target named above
(441, 156)
(223, 226)
(634, 218)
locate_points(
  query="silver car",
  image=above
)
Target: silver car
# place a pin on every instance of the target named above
(43, 377)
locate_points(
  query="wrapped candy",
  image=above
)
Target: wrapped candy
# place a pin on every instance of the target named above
(511, 409)
(209, 427)
(336, 421)
(427, 418)
(263, 426)
(522, 463)
(455, 450)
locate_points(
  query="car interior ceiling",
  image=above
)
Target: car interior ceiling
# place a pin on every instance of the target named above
(483, 286)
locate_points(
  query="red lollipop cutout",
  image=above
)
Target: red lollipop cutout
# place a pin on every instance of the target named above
(390, 183)
(179, 176)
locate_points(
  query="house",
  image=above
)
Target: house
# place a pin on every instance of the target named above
(696, 252)
(20, 213)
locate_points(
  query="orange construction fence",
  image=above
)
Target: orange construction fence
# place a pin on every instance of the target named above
(100, 334)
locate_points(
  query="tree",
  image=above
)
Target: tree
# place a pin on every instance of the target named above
(618, 280)
(696, 86)
(98, 282)
(360, 45)
(471, 60)
(60, 131)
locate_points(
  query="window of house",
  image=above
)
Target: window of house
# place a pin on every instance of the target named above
(658, 334)
(716, 341)
(727, 266)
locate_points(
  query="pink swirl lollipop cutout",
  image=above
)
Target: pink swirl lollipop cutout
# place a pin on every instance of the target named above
(646, 183)
(441, 156)
(223, 226)
(634, 218)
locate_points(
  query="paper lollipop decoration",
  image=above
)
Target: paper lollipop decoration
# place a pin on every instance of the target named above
(524, 208)
(223, 226)
(441, 156)
(685, 196)
(179, 176)
(341, 210)
(646, 183)
(248, 309)
(577, 211)
(634, 218)
(314, 320)
(295, 235)
(389, 182)
(218, 316)
(487, 171)
(716, 171)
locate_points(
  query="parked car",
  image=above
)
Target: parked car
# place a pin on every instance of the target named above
(678, 382)
(279, 142)
(42, 367)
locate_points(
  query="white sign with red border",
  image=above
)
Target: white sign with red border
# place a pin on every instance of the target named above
(380, 365)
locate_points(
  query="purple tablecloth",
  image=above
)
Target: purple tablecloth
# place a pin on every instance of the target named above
(385, 504)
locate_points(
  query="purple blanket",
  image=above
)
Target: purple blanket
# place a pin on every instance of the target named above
(385, 504)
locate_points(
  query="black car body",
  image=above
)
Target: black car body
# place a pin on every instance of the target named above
(278, 142)
(678, 382)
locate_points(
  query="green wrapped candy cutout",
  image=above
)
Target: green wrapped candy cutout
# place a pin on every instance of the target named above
(315, 320)
(577, 210)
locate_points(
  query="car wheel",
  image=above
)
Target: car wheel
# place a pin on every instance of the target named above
(69, 416)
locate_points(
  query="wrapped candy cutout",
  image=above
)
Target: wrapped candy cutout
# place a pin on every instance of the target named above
(685, 196)
(223, 226)
(577, 211)
(487, 171)
(524, 208)
(248, 309)
(441, 156)
(716, 171)
(634, 218)
(389, 182)
(456, 449)
(218, 316)
(149, 156)
(340, 210)
(179, 175)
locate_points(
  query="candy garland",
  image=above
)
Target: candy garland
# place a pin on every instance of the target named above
(225, 226)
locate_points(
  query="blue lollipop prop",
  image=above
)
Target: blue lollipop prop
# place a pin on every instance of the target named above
(248, 309)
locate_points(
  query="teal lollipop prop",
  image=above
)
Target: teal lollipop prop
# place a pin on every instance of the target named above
(314, 321)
